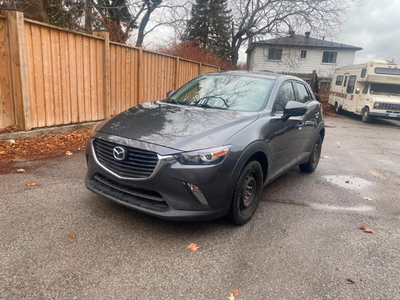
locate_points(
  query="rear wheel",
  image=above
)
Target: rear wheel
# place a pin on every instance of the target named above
(247, 193)
(313, 161)
(338, 109)
(366, 116)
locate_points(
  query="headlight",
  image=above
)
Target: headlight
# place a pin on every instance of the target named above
(377, 105)
(203, 157)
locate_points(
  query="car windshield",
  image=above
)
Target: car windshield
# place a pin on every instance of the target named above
(230, 92)
(385, 89)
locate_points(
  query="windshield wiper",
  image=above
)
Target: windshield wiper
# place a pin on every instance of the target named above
(209, 106)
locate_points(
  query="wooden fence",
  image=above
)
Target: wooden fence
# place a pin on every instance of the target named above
(52, 76)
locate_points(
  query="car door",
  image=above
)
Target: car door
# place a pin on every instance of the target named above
(286, 135)
(311, 118)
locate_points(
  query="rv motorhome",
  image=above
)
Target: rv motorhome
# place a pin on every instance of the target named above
(370, 90)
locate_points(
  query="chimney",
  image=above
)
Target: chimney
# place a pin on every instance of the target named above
(291, 33)
(307, 34)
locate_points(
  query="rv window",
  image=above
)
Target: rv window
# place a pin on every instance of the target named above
(363, 73)
(365, 89)
(345, 81)
(380, 88)
(339, 80)
(303, 54)
(275, 54)
(304, 96)
(387, 71)
(329, 57)
(351, 85)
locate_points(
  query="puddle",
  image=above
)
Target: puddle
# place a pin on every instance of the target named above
(348, 182)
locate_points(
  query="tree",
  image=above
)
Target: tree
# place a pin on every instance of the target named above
(256, 18)
(150, 5)
(209, 27)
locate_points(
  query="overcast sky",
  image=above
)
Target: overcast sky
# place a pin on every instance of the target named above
(373, 25)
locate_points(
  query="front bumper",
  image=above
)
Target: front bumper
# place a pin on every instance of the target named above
(165, 194)
(384, 114)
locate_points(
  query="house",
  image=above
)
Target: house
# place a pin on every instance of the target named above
(299, 54)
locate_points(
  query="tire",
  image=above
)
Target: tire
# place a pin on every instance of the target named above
(247, 194)
(365, 115)
(338, 109)
(312, 163)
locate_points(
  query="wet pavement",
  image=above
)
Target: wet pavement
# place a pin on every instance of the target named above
(303, 243)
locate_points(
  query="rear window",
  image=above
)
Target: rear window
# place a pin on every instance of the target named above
(387, 71)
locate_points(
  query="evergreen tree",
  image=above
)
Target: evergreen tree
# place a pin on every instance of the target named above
(209, 26)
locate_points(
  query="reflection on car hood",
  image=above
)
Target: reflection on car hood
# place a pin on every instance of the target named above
(177, 126)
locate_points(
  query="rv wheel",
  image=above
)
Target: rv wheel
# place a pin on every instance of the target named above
(338, 109)
(366, 116)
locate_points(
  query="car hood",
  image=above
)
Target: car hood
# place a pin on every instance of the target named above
(180, 127)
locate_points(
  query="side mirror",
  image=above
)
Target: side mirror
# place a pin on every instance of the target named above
(357, 90)
(170, 93)
(294, 109)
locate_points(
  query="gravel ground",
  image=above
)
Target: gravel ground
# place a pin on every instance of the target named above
(121, 254)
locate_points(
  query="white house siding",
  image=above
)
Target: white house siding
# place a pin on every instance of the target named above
(292, 63)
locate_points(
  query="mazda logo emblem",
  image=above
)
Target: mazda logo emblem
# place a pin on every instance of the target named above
(119, 153)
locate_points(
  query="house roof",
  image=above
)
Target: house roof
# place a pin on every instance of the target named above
(304, 42)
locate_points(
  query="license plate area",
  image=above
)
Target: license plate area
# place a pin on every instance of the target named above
(393, 115)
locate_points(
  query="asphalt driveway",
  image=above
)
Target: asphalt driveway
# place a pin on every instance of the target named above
(121, 254)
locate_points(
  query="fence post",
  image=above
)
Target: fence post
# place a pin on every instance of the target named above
(176, 73)
(19, 68)
(106, 72)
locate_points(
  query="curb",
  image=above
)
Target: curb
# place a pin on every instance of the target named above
(48, 130)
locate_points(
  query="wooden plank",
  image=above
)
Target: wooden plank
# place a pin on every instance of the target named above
(123, 79)
(93, 79)
(38, 70)
(140, 76)
(31, 75)
(19, 68)
(101, 75)
(79, 78)
(86, 79)
(128, 78)
(65, 78)
(73, 78)
(56, 72)
(113, 80)
(47, 76)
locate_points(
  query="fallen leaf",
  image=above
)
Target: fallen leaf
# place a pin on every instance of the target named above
(2, 152)
(377, 174)
(68, 153)
(31, 184)
(61, 227)
(280, 246)
(72, 235)
(366, 229)
(325, 204)
(347, 181)
(338, 143)
(351, 281)
(231, 297)
(368, 198)
(235, 292)
(193, 247)
(21, 171)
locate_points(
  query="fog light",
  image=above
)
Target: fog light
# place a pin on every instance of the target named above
(197, 193)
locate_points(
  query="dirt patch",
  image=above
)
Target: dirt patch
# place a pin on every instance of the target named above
(40, 147)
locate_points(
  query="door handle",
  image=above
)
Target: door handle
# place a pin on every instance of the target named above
(299, 126)
(317, 115)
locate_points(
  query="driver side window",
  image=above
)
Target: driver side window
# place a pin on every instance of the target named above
(284, 95)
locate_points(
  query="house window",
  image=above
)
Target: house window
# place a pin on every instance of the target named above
(274, 54)
(339, 80)
(351, 85)
(329, 57)
(303, 54)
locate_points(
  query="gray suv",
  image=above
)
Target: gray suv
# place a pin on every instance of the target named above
(209, 148)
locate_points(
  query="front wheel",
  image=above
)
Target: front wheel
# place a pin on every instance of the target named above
(247, 194)
(366, 116)
(313, 161)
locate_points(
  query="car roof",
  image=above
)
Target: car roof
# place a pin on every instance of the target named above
(263, 74)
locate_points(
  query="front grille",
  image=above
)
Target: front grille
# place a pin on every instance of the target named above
(135, 196)
(390, 106)
(139, 163)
